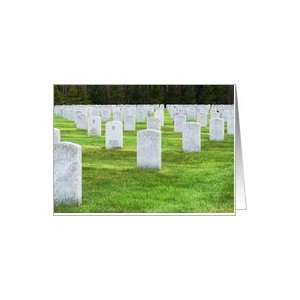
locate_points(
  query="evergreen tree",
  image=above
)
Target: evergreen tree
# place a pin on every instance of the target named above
(143, 94)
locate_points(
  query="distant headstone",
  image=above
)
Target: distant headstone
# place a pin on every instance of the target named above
(191, 114)
(105, 114)
(67, 173)
(129, 123)
(81, 120)
(153, 123)
(227, 114)
(230, 126)
(113, 135)
(93, 112)
(191, 137)
(94, 126)
(161, 116)
(141, 114)
(149, 149)
(56, 136)
(202, 119)
(117, 115)
(214, 115)
(216, 130)
(179, 121)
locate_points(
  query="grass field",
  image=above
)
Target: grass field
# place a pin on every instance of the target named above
(187, 183)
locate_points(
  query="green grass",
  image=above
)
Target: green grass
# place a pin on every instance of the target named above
(187, 183)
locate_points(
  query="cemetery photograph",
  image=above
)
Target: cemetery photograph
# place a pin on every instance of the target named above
(143, 149)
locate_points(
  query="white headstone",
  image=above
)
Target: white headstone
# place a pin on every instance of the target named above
(105, 114)
(56, 136)
(179, 121)
(92, 111)
(117, 115)
(67, 173)
(216, 130)
(94, 126)
(191, 137)
(149, 149)
(113, 135)
(153, 123)
(214, 115)
(81, 120)
(141, 114)
(202, 119)
(129, 123)
(161, 116)
(191, 114)
(230, 125)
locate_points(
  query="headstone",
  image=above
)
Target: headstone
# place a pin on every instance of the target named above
(129, 123)
(153, 123)
(230, 126)
(149, 149)
(216, 130)
(113, 135)
(214, 115)
(141, 114)
(105, 114)
(92, 111)
(94, 126)
(191, 114)
(191, 137)
(202, 119)
(67, 173)
(179, 121)
(81, 120)
(117, 115)
(56, 136)
(161, 116)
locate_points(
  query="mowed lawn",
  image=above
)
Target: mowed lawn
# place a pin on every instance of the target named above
(187, 183)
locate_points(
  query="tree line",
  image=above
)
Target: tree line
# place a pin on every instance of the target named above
(143, 94)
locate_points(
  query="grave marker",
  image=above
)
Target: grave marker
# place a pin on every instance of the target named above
(67, 173)
(216, 130)
(56, 136)
(113, 135)
(191, 137)
(179, 121)
(149, 149)
(129, 123)
(94, 126)
(153, 123)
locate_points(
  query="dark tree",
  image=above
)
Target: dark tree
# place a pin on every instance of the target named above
(143, 94)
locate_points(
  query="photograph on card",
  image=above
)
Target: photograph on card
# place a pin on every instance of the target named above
(144, 149)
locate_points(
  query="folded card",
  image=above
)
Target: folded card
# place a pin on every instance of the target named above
(147, 149)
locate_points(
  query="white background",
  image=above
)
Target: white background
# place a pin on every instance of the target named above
(254, 255)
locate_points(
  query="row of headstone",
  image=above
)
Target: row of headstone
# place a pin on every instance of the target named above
(68, 160)
(191, 131)
(67, 156)
(108, 112)
(216, 124)
(131, 114)
(140, 111)
(114, 131)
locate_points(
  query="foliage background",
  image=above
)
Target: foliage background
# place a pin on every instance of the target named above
(143, 94)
